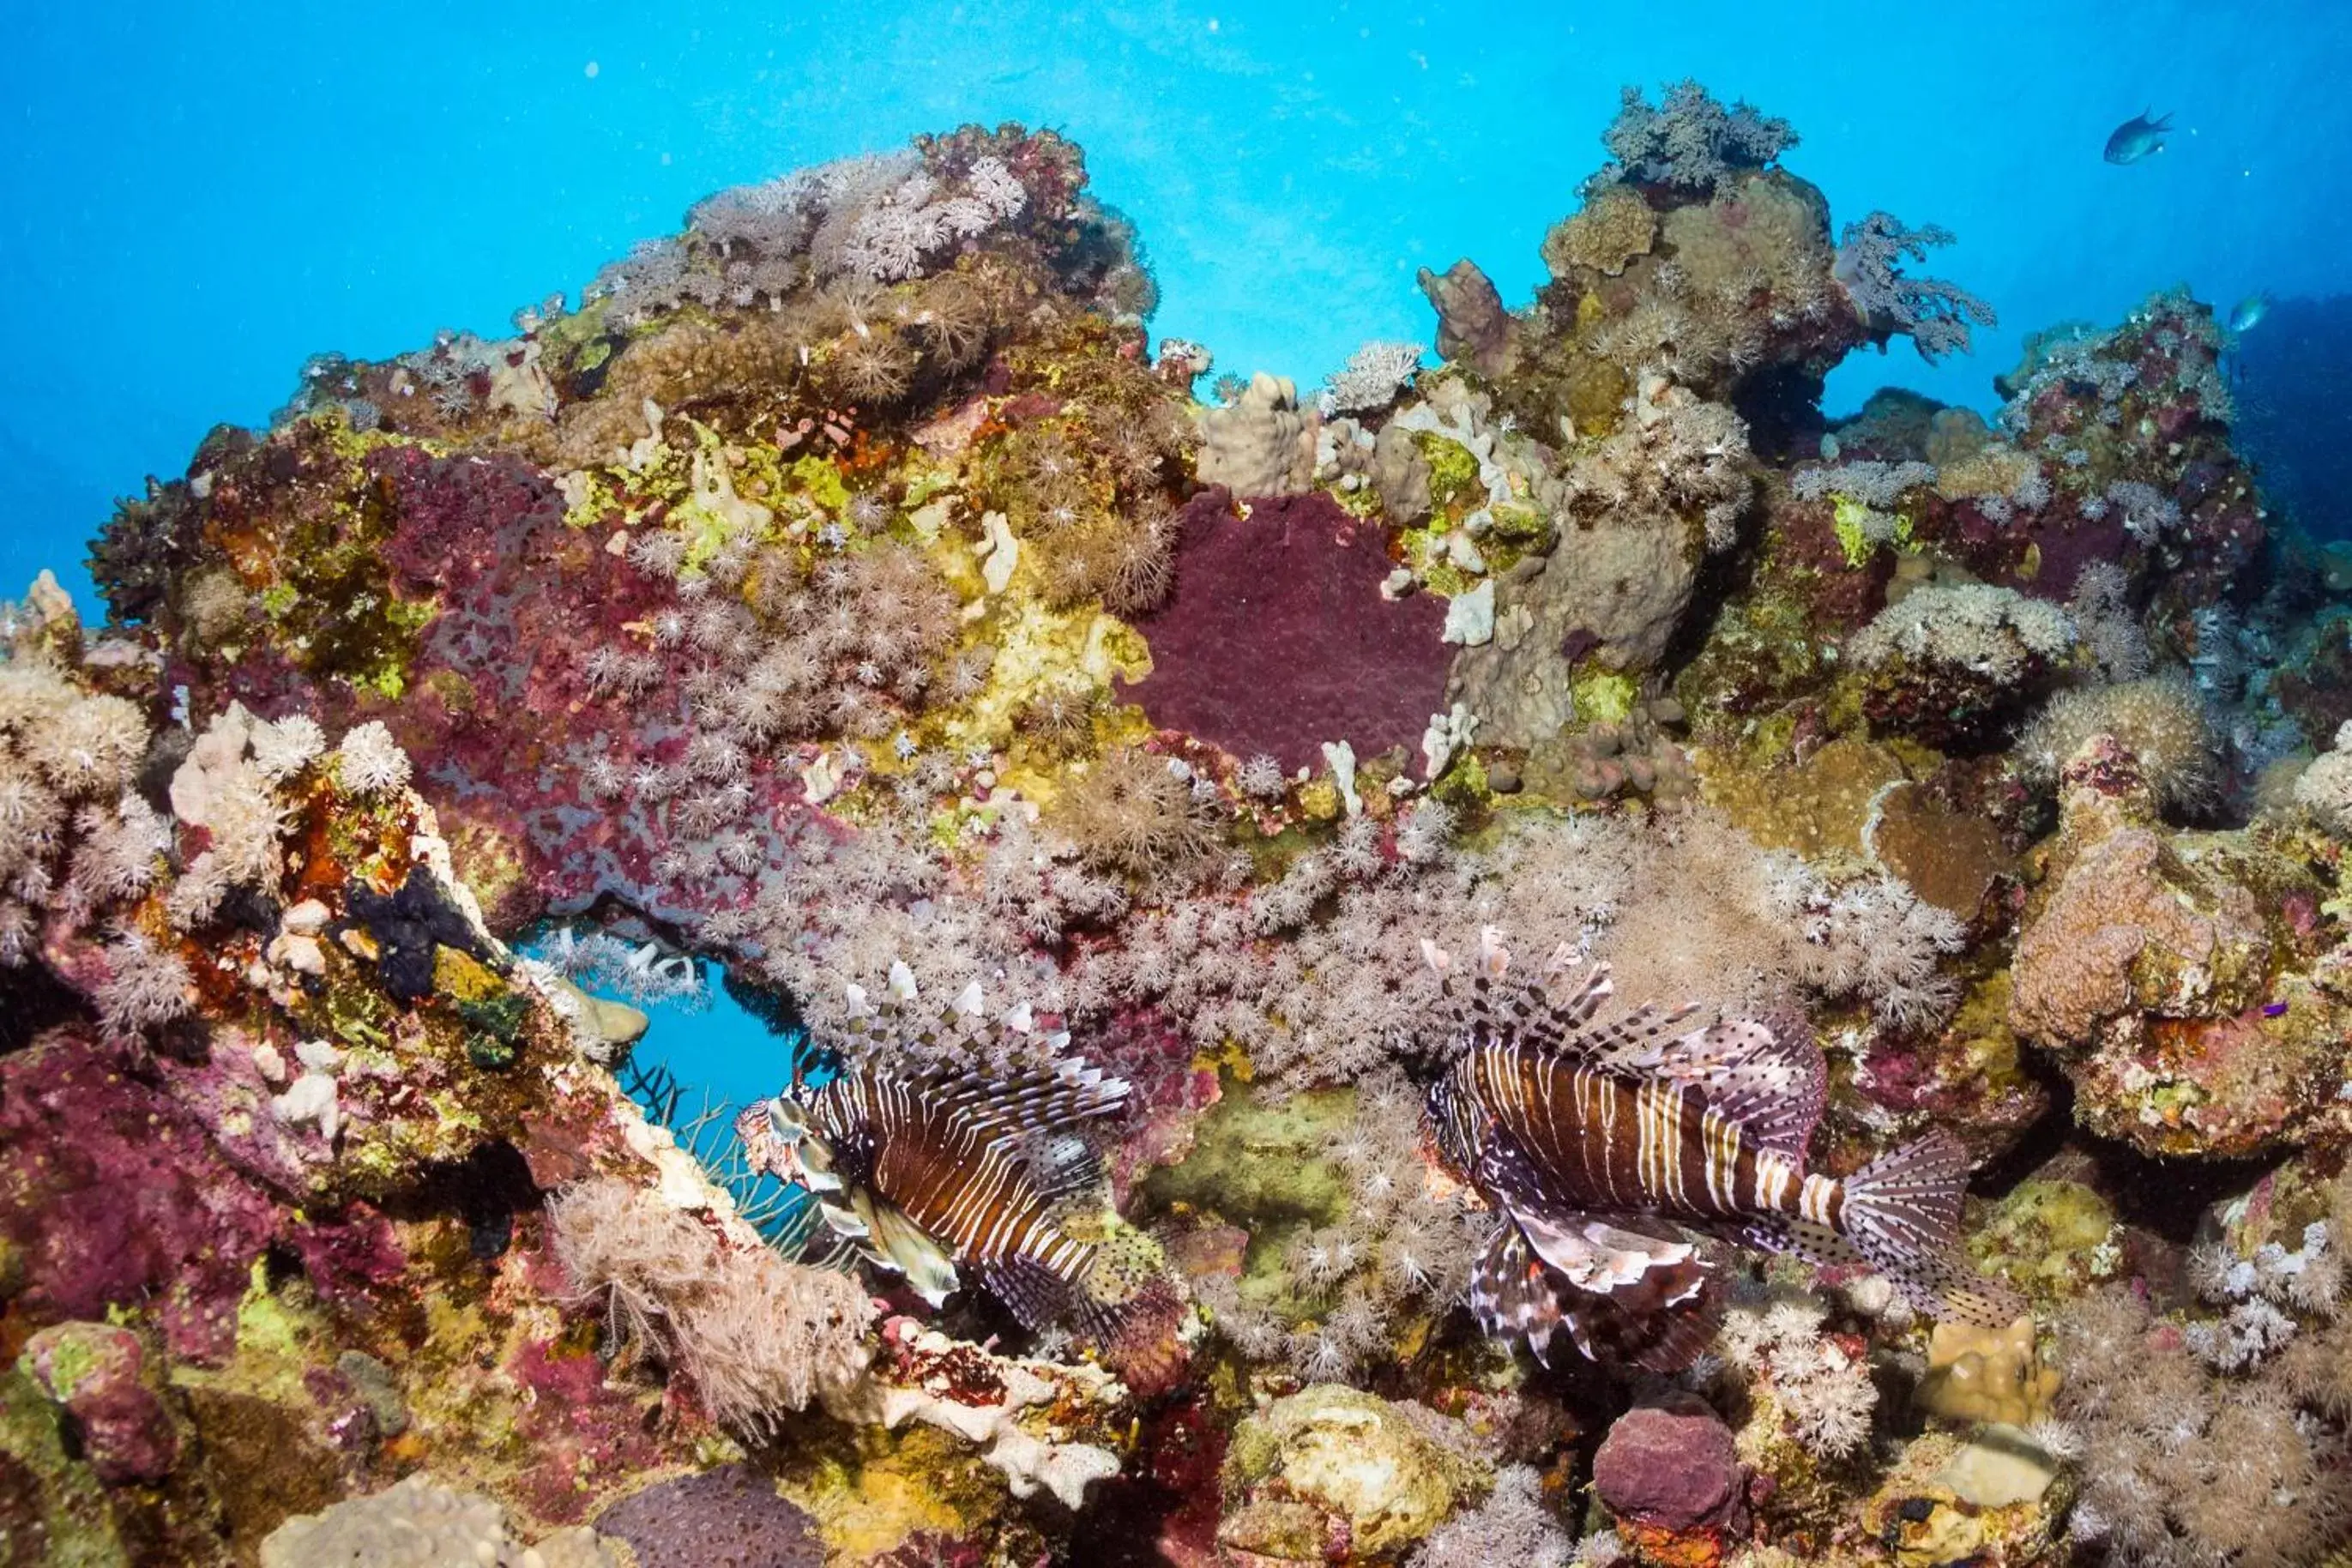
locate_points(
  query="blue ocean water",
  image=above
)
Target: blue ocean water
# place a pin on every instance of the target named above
(197, 196)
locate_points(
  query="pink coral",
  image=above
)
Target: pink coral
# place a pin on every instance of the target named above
(1278, 639)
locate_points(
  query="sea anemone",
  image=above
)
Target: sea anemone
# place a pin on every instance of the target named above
(874, 368)
(956, 322)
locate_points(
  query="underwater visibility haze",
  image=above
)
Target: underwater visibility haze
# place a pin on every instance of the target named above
(1332, 785)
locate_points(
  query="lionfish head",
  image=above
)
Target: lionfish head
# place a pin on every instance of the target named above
(777, 1138)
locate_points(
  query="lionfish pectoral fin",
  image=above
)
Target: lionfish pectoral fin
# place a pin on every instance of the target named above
(1036, 1296)
(1512, 1294)
(901, 1244)
(1640, 1273)
(1663, 1339)
(1515, 1291)
(843, 1223)
(1902, 1214)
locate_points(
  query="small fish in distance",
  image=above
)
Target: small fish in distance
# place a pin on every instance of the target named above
(1609, 1146)
(2250, 312)
(2137, 137)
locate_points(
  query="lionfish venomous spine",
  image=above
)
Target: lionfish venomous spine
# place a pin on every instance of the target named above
(1608, 1145)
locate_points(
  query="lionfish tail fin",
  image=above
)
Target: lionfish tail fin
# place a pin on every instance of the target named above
(1902, 1214)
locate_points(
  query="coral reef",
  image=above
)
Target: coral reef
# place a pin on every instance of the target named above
(838, 611)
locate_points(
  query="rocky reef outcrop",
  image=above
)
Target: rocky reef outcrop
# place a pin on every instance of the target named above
(842, 597)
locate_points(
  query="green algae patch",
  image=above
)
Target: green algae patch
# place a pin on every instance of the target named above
(49, 1500)
(2053, 1238)
(493, 1012)
(266, 1327)
(1254, 1161)
(1861, 530)
(870, 1488)
(1603, 696)
(1464, 784)
(819, 478)
(1454, 486)
(70, 1360)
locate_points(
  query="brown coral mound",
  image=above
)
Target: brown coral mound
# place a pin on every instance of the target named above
(1603, 235)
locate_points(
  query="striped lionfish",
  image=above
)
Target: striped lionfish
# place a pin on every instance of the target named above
(954, 1169)
(1608, 1147)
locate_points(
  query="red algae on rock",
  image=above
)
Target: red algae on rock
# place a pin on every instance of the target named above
(1278, 638)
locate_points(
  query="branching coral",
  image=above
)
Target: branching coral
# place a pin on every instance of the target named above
(1676, 454)
(1819, 1388)
(2223, 1441)
(1372, 377)
(1512, 1526)
(1997, 633)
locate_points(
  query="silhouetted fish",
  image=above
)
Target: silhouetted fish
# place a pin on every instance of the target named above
(1606, 1146)
(945, 1169)
(2137, 137)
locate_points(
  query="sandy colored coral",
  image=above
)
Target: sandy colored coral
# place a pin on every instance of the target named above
(1612, 228)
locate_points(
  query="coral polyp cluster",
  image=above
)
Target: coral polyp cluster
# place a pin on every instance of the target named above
(1127, 809)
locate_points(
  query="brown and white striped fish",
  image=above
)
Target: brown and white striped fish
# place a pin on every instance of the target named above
(952, 1169)
(1610, 1145)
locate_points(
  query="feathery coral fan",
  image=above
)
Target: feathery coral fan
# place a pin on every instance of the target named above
(1688, 139)
(1937, 315)
(758, 1335)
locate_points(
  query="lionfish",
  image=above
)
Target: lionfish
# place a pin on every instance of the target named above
(955, 1167)
(1608, 1146)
